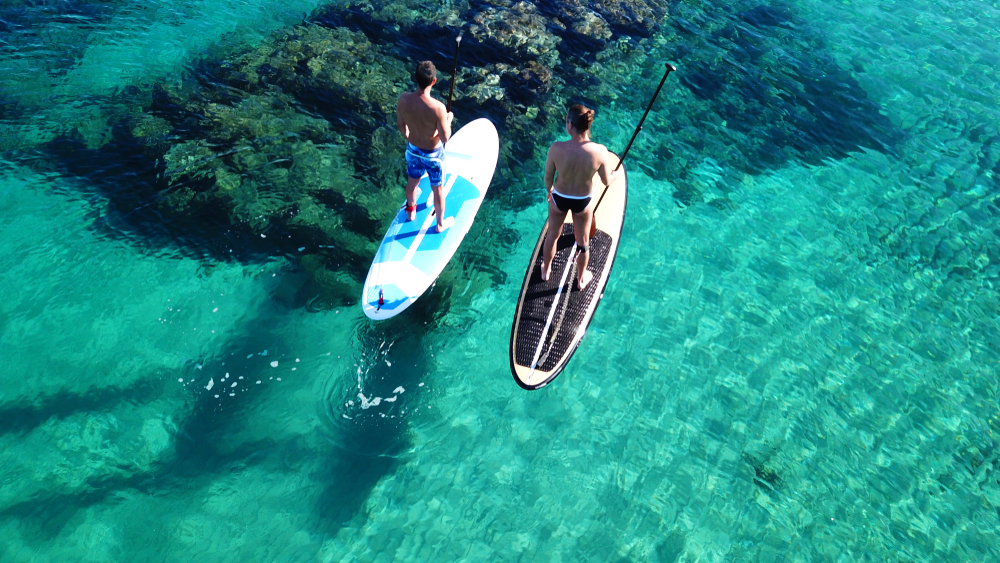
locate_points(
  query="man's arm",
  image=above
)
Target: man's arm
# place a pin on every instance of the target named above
(400, 124)
(444, 123)
(550, 173)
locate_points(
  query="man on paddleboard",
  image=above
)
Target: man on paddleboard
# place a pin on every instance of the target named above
(569, 180)
(426, 124)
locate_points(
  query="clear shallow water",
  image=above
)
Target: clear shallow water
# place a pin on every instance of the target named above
(798, 364)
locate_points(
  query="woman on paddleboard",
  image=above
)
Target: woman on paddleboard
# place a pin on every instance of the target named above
(569, 180)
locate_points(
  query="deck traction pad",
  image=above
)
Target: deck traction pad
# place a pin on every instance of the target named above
(539, 296)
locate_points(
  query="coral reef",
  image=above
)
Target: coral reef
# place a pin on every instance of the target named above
(767, 365)
(520, 29)
(294, 140)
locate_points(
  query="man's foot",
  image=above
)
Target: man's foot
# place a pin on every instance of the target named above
(546, 271)
(411, 212)
(443, 225)
(583, 280)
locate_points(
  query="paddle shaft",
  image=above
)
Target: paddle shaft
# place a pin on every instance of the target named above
(454, 70)
(670, 68)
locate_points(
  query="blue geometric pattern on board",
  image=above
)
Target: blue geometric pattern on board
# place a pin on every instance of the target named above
(404, 233)
(392, 296)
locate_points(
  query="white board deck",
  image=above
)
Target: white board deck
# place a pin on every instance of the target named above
(413, 253)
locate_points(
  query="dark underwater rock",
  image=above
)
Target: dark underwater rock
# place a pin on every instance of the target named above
(297, 137)
(48, 35)
(767, 91)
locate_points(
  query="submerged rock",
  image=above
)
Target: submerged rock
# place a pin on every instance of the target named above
(518, 27)
(80, 455)
(294, 139)
(297, 137)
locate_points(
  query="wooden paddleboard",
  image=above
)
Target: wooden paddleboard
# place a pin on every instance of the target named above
(413, 253)
(552, 316)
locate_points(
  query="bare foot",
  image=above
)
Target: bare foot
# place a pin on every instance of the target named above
(583, 280)
(443, 225)
(546, 271)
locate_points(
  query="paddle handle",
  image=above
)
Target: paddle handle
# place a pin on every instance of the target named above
(454, 70)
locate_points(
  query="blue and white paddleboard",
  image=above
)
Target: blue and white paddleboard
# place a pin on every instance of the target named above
(413, 253)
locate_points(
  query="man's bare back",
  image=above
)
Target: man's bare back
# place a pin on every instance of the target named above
(423, 120)
(426, 124)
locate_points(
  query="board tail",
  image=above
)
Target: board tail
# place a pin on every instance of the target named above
(558, 304)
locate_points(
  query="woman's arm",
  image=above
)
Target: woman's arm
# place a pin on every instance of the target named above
(550, 173)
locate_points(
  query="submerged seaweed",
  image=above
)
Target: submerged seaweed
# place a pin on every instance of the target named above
(294, 141)
(819, 356)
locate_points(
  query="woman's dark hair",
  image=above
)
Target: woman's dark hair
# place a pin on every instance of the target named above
(425, 74)
(580, 116)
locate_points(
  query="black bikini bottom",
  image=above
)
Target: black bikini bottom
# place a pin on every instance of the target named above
(566, 203)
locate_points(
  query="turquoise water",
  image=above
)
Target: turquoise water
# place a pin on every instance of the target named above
(796, 358)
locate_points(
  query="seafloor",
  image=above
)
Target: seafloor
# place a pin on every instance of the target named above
(796, 358)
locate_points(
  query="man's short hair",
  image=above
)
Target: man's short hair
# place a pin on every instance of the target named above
(425, 74)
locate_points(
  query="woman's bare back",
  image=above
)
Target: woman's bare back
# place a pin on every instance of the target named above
(574, 164)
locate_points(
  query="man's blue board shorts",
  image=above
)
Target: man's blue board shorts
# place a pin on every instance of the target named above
(419, 161)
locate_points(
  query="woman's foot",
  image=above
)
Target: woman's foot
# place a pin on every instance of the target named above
(583, 280)
(443, 225)
(546, 271)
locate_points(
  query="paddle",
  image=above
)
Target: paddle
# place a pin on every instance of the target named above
(670, 68)
(451, 89)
